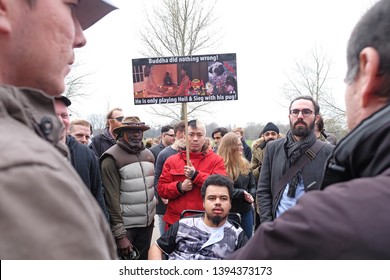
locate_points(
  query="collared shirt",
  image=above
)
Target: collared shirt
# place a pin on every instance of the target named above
(288, 202)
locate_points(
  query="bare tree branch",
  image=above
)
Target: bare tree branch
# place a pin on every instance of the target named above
(173, 112)
(76, 84)
(179, 28)
(98, 122)
(310, 77)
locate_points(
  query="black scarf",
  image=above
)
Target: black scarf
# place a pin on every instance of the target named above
(295, 149)
(130, 149)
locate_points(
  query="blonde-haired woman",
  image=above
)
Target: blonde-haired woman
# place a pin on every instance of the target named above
(238, 170)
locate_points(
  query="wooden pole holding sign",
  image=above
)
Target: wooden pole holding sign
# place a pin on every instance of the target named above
(184, 104)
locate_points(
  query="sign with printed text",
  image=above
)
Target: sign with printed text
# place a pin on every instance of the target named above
(179, 79)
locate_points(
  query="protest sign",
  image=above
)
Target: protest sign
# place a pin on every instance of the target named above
(180, 79)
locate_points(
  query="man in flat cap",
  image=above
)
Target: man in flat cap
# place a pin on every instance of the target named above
(127, 170)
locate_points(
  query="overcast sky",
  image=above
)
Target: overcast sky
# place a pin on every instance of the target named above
(267, 36)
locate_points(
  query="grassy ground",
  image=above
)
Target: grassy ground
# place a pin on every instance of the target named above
(249, 142)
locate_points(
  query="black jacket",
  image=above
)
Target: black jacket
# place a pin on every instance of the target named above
(87, 166)
(156, 149)
(247, 150)
(275, 166)
(243, 183)
(102, 142)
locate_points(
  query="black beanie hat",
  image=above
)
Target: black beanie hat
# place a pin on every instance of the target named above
(270, 127)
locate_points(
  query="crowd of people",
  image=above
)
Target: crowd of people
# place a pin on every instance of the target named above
(68, 194)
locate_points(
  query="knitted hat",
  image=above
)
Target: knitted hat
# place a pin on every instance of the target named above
(270, 127)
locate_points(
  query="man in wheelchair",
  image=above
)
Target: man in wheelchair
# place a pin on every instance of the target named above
(209, 236)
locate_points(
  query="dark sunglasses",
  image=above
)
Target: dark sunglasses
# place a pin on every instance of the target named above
(119, 119)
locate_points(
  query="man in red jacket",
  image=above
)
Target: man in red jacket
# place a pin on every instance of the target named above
(181, 183)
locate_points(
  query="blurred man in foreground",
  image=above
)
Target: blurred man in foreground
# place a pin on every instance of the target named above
(46, 212)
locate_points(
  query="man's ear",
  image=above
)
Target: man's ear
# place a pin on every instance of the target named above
(317, 118)
(5, 25)
(368, 74)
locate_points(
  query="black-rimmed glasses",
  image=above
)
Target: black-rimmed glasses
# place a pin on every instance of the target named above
(305, 112)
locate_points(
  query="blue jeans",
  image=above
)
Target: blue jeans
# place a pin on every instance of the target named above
(247, 223)
(161, 224)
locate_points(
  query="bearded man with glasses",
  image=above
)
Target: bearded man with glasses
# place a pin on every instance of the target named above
(280, 155)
